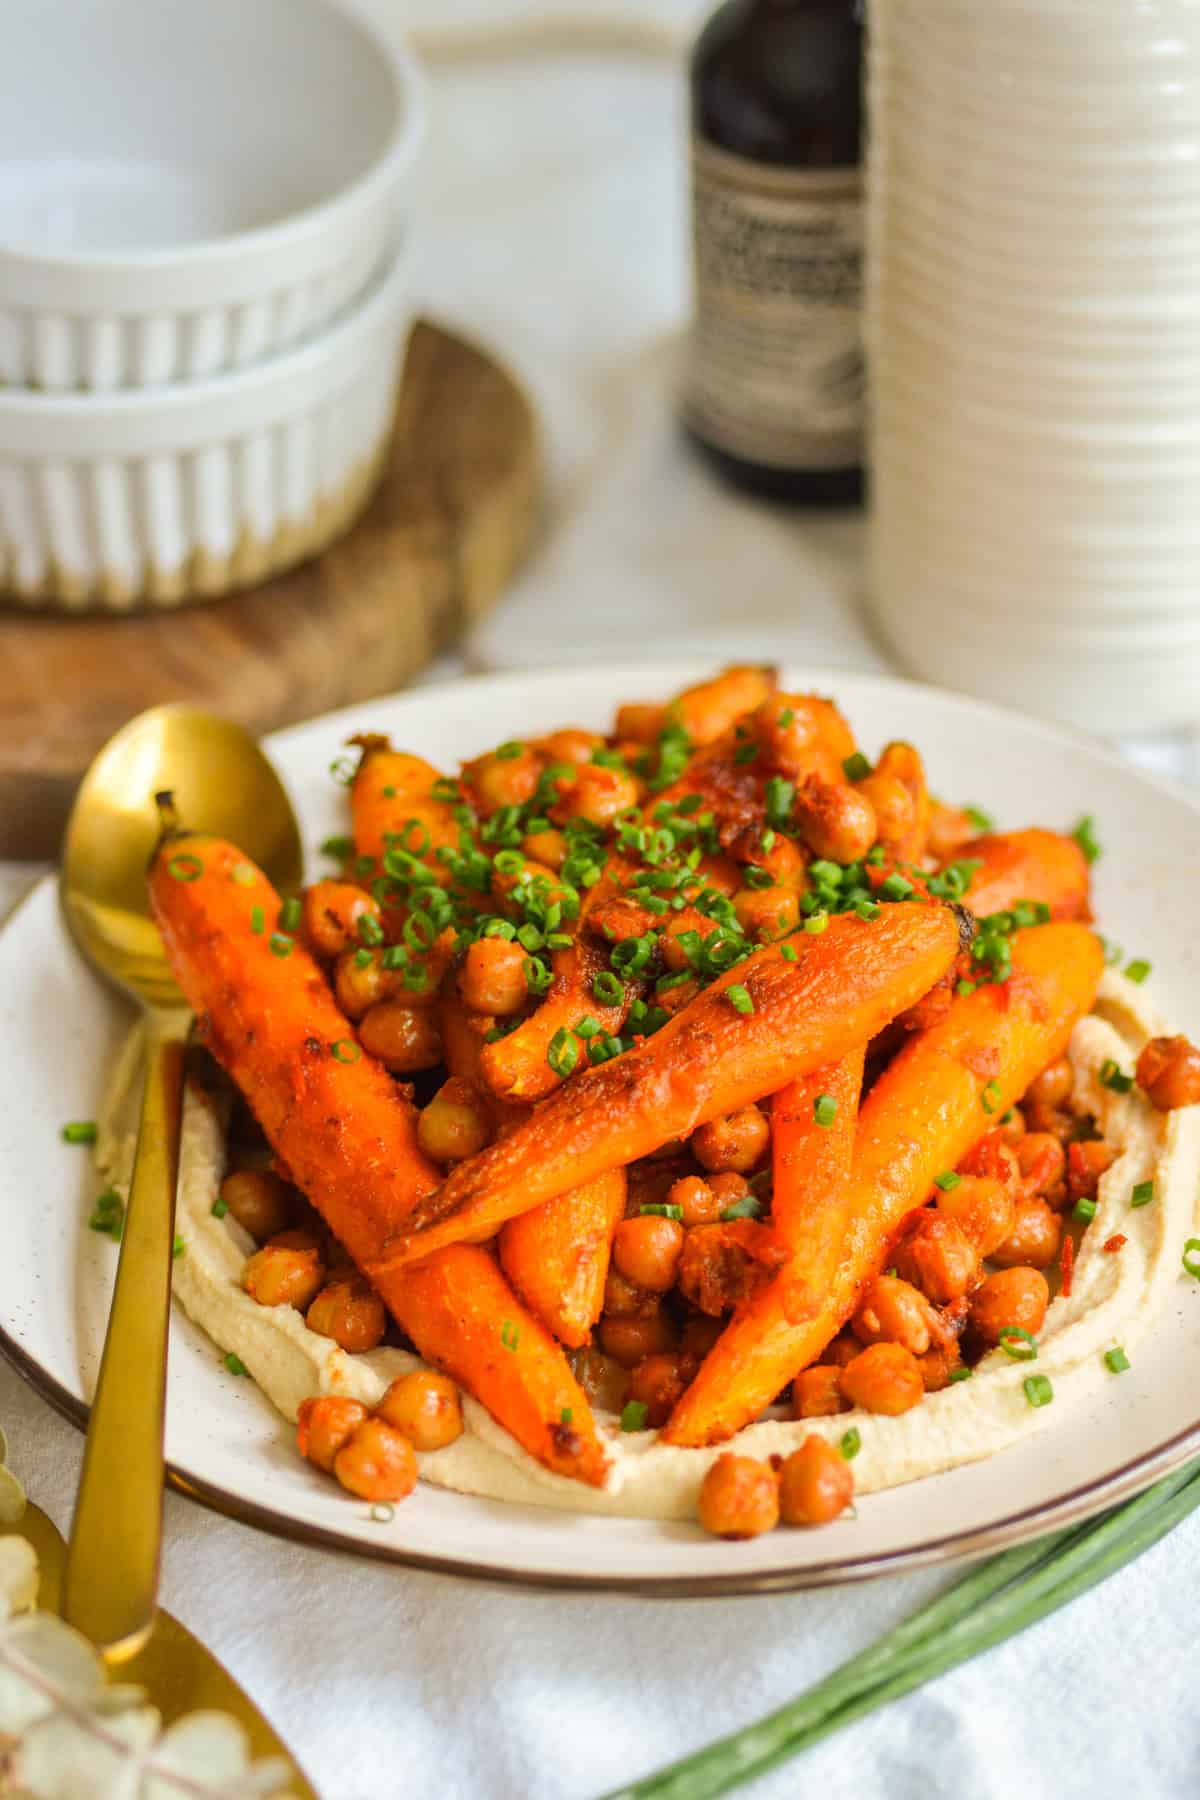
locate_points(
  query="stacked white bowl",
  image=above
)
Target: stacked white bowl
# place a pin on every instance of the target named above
(1034, 334)
(204, 293)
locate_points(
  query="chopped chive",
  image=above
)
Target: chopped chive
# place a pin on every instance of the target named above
(289, 914)
(661, 1209)
(280, 945)
(178, 1247)
(1084, 1211)
(896, 887)
(345, 1050)
(1114, 1078)
(370, 931)
(506, 752)
(563, 1052)
(608, 988)
(219, 1207)
(234, 1363)
(948, 1180)
(339, 848)
(748, 1207)
(963, 1374)
(565, 1416)
(633, 1415)
(816, 923)
(868, 909)
(185, 868)
(989, 1099)
(1138, 969)
(80, 1131)
(383, 1512)
(1018, 1343)
(964, 987)
(1191, 1257)
(510, 1335)
(1117, 1360)
(1038, 1390)
(258, 920)
(825, 1110)
(982, 821)
(786, 718)
(1085, 836)
(1143, 1193)
(789, 953)
(739, 998)
(856, 767)
(851, 1443)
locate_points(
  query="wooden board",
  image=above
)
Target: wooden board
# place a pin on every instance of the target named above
(452, 518)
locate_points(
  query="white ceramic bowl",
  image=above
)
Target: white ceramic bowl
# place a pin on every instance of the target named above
(183, 493)
(188, 188)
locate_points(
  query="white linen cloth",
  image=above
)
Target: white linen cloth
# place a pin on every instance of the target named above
(556, 231)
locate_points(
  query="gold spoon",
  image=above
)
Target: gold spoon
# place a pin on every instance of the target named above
(221, 784)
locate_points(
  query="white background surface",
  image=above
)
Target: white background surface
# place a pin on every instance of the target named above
(556, 230)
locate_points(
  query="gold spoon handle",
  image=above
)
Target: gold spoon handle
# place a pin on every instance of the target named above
(111, 1578)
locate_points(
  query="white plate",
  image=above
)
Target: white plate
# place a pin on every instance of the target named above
(59, 1027)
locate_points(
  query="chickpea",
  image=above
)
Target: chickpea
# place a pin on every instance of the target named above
(358, 986)
(1034, 1239)
(455, 1124)
(949, 830)
(1086, 1163)
(688, 920)
(739, 1497)
(570, 746)
(937, 1365)
(492, 977)
(330, 916)
(286, 1272)
(404, 1038)
(1011, 1297)
(622, 1300)
(350, 1313)
(261, 1202)
(883, 1378)
(601, 1377)
(892, 1311)
(641, 724)
(1051, 1090)
(646, 1251)
(894, 808)
(732, 1144)
(324, 1424)
(983, 1207)
(785, 861)
(817, 1391)
(937, 1256)
(658, 1382)
(696, 1198)
(816, 1483)
(376, 1462)
(630, 1340)
(1042, 1162)
(700, 1333)
(498, 781)
(425, 1407)
(1168, 1073)
(767, 913)
(797, 729)
(548, 847)
(729, 1188)
(834, 820)
(597, 794)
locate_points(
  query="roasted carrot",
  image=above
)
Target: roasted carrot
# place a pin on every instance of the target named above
(921, 1117)
(755, 1356)
(1027, 865)
(464, 1318)
(705, 711)
(345, 1134)
(391, 799)
(717, 1054)
(515, 1067)
(556, 1255)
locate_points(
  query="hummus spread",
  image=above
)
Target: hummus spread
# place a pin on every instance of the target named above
(1114, 1299)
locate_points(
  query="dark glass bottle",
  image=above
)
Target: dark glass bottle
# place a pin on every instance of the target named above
(774, 389)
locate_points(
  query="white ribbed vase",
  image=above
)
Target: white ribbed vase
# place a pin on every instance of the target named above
(1033, 324)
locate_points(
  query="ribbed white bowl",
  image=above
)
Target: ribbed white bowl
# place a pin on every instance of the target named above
(111, 502)
(187, 189)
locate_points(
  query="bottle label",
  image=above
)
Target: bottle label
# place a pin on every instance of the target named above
(775, 365)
